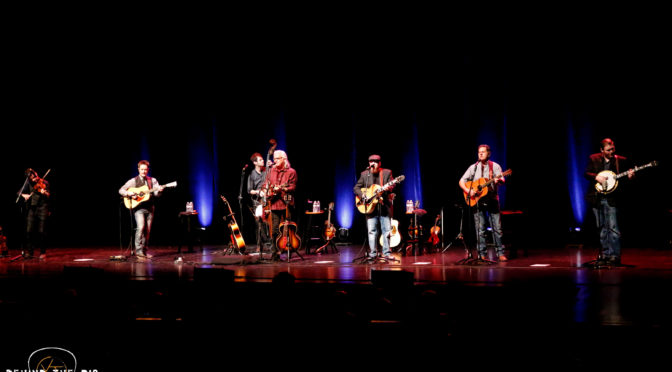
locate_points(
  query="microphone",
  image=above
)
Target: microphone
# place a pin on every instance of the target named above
(245, 167)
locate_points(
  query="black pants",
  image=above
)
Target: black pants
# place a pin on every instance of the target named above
(36, 220)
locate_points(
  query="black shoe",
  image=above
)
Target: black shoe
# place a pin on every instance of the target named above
(615, 261)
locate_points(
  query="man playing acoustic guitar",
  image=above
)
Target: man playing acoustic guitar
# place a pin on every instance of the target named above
(379, 215)
(144, 211)
(487, 200)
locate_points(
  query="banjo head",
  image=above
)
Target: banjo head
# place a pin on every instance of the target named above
(609, 184)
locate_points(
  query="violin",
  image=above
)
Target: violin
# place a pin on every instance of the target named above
(288, 239)
(40, 186)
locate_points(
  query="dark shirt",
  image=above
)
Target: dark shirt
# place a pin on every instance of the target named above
(597, 164)
(368, 178)
(254, 182)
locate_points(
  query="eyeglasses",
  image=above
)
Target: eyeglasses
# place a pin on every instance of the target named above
(374, 161)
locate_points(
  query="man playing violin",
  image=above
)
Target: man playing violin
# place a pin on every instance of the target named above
(36, 194)
(280, 186)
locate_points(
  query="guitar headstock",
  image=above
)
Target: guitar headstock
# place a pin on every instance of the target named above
(274, 145)
(331, 206)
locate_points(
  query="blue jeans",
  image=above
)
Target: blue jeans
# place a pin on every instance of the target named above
(372, 223)
(610, 234)
(495, 221)
(143, 225)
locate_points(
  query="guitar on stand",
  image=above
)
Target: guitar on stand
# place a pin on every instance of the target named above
(237, 242)
(329, 232)
(434, 233)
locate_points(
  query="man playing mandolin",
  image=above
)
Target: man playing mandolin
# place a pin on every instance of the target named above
(279, 190)
(488, 200)
(604, 203)
(143, 212)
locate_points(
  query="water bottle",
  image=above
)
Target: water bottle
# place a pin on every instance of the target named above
(316, 206)
(409, 206)
(190, 207)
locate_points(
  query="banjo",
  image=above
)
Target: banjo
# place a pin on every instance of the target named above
(611, 179)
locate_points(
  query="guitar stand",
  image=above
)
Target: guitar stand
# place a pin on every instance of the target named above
(232, 250)
(289, 254)
(325, 247)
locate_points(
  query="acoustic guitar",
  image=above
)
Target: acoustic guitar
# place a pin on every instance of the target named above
(395, 237)
(611, 179)
(368, 203)
(142, 194)
(481, 188)
(236, 235)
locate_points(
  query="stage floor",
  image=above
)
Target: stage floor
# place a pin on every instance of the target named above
(211, 307)
(346, 266)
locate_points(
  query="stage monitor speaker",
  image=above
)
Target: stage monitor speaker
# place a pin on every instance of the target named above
(392, 278)
(82, 272)
(213, 275)
(234, 260)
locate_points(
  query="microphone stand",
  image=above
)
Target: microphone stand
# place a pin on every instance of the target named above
(365, 257)
(240, 198)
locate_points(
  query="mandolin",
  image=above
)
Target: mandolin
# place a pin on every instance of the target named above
(142, 194)
(372, 194)
(329, 230)
(480, 187)
(236, 236)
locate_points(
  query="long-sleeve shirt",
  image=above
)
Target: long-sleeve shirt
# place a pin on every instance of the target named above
(255, 181)
(285, 177)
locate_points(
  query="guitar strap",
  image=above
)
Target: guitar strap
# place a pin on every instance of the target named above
(490, 172)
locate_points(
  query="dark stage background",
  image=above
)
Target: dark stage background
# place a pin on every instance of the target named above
(198, 116)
